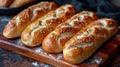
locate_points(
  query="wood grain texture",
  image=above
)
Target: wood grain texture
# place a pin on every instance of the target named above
(101, 57)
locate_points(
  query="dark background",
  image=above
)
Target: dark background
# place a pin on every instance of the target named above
(104, 8)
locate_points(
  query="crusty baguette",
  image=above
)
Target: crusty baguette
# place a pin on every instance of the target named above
(34, 34)
(5, 3)
(88, 40)
(18, 23)
(55, 41)
(20, 3)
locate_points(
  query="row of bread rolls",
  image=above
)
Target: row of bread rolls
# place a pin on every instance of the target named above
(54, 42)
(34, 34)
(78, 36)
(14, 3)
(19, 22)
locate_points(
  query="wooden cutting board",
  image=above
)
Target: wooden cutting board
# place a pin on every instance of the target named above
(100, 58)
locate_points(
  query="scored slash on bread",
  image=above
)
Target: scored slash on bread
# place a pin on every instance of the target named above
(78, 36)
(34, 34)
(18, 23)
(87, 41)
(55, 41)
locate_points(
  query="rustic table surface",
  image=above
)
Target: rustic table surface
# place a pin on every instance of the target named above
(9, 59)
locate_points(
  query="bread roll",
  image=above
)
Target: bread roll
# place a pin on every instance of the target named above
(20, 3)
(88, 40)
(5, 3)
(34, 34)
(55, 41)
(18, 23)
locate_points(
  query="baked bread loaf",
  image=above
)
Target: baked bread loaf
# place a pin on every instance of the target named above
(20, 3)
(18, 23)
(5, 3)
(34, 34)
(55, 41)
(88, 40)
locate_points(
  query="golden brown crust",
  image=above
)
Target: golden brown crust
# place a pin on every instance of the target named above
(55, 41)
(88, 40)
(18, 23)
(34, 34)
(5, 3)
(20, 3)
